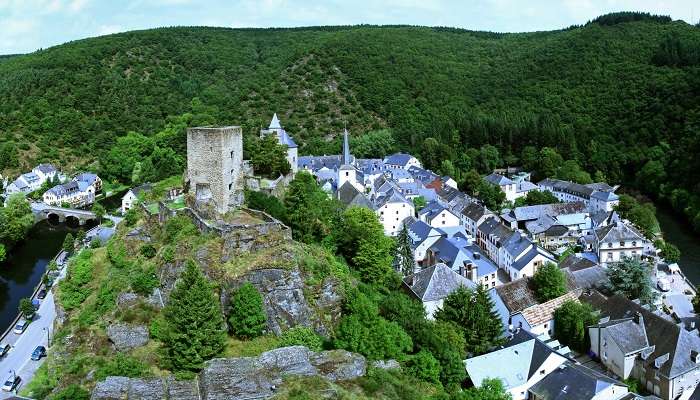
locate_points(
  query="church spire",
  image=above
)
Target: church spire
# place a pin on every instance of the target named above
(346, 148)
(275, 123)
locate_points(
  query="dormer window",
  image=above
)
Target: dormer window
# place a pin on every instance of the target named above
(622, 243)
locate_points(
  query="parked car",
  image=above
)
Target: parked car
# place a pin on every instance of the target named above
(42, 294)
(664, 284)
(39, 352)
(11, 382)
(4, 349)
(21, 326)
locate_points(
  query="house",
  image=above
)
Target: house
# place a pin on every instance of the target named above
(634, 342)
(522, 362)
(422, 236)
(438, 216)
(401, 160)
(614, 242)
(392, 208)
(31, 181)
(464, 258)
(490, 235)
(472, 215)
(433, 284)
(520, 216)
(596, 196)
(512, 189)
(79, 192)
(131, 197)
(517, 306)
(584, 273)
(577, 382)
(91, 179)
(284, 139)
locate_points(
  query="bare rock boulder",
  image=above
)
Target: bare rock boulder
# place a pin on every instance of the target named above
(126, 337)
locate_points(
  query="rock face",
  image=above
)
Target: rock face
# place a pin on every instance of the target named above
(126, 337)
(286, 303)
(239, 378)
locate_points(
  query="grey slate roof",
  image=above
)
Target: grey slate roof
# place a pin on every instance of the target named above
(346, 193)
(575, 263)
(498, 180)
(630, 336)
(418, 230)
(432, 209)
(423, 175)
(530, 213)
(667, 338)
(315, 163)
(87, 177)
(517, 295)
(400, 159)
(516, 244)
(618, 232)
(474, 211)
(493, 227)
(572, 381)
(605, 196)
(436, 282)
(46, 168)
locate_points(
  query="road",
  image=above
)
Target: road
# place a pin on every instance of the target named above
(18, 360)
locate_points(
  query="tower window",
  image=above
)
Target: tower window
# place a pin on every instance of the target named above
(230, 185)
(231, 154)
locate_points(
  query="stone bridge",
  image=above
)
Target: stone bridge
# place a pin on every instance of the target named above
(44, 211)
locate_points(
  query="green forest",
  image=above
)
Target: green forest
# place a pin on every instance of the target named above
(617, 97)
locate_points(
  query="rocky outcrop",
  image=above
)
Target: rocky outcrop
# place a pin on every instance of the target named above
(126, 337)
(386, 364)
(285, 298)
(239, 378)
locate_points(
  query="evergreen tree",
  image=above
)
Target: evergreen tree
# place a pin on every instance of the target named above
(3, 252)
(571, 322)
(68, 243)
(404, 259)
(631, 278)
(247, 316)
(194, 322)
(309, 210)
(549, 282)
(473, 312)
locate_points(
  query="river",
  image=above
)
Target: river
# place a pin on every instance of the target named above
(26, 263)
(677, 231)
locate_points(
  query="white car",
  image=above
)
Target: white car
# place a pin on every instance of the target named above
(11, 382)
(21, 326)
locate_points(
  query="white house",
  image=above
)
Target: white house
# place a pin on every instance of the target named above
(423, 236)
(392, 208)
(438, 216)
(596, 196)
(522, 362)
(79, 192)
(283, 138)
(473, 215)
(433, 284)
(31, 181)
(512, 189)
(401, 160)
(131, 196)
(616, 241)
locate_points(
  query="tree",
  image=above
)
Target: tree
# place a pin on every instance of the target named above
(549, 162)
(99, 211)
(423, 366)
(643, 216)
(631, 278)
(194, 322)
(404, 259)
(473, 312)
(535, 197)
(3, 253)
(571, 322)
(247, 314)
(363, 331)
(72, 392)
(419, 203)
(490, 389)
(309, 209)
(131, 216)
(269, 157)
(68, 243)
(264, 202)
(16, 219)
(549, 282)
(670, 252)
(26, 307)
(571, 171)
(373, 261)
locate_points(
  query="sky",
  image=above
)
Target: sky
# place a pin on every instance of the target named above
(28, 25)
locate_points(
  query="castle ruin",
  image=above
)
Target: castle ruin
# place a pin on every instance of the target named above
(214, 164)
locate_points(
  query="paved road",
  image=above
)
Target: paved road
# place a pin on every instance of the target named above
(18, 360)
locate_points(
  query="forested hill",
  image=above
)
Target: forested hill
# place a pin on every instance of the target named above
(618, 95)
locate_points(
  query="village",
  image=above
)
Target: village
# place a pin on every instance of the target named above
(458, 242)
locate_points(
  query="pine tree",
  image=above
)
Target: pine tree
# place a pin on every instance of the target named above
(68, 243)
(404, 259)
(194, 322)
(247, 317)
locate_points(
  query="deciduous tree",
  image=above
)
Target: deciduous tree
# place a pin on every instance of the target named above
(549, 282)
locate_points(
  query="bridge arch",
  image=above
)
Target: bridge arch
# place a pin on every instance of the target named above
(72, 221)
(53, 218)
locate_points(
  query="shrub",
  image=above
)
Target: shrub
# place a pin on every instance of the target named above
(148, 251)
(144, 281)
(121, 365)
(301, 336)
(247, 315)
(177, 228)
(73, 290)
(424, 367)
(72, 392)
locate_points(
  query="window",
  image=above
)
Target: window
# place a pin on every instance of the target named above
(347, 173)
(634, 243)
(230, 185)
(609, 244)
(622, 243)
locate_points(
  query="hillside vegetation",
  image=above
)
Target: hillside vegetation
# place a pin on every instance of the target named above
(618, 95)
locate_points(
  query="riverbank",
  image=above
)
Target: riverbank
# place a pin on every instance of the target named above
(677, 231)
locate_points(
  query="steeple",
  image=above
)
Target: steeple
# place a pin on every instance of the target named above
(275, 123)
(346, 148)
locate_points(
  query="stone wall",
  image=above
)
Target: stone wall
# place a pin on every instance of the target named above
(239, 378)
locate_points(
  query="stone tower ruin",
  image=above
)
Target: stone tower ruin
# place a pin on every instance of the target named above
(214, 164)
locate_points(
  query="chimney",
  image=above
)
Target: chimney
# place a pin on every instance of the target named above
(638, 319)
